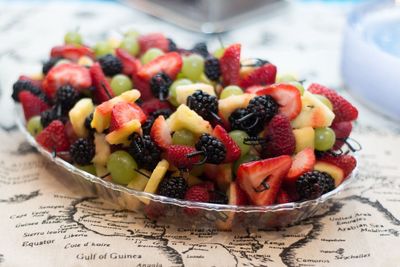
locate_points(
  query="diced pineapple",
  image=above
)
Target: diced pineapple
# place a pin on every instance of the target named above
(140, 181)
(185, 118)
(228, 105)
(78, 114)
(103, 150)
(183, 91)
(120, 136)
(304, 138)
(85, 61)
(155, 179)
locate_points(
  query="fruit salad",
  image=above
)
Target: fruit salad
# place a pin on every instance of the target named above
(188, 124)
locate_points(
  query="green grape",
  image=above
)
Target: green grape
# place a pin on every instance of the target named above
(131, 45)
(324, 138)
(239, 136)
(34, 125)
(103, 48)
(73, 37)
(193, 66)
(183, 137)
(172, 90)
(132, 33)
(219, 52)
(180, 76)
(151, 54)
(122, 167)
(231, 90)
(87, 168)
(286, 77)
(325, 100)
(197, 170)
(244, 159)
(121, 83)
(298, 85)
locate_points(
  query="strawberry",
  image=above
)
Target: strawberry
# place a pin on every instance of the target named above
(102, 91)
(177, 156)
(254, 89)
(35, 82)
(124, 112)
(302, 162)
(160, 133)
(71, 52)
(343, 109)
(153, 40)
(130, 64)
(287, 96)
(232, 149)
(154, 104)
(282, 197)
(262, 179)
(346, 162)
(280, 137)
(53, 137)
(230, 64)
(31, 104)
(196, 193)
(69, 73)
(263, 75)
(170, 63)
(143, 86)
(342, 131)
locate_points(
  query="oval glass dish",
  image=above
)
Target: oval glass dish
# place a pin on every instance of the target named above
(171, 210)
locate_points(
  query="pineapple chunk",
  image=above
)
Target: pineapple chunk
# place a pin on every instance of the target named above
(228, 105)
(120, 136)
(185, 118)
(183, 91)
(304, 138)
(103, 150)
(140, 181)
(78, 114)
(155, 179)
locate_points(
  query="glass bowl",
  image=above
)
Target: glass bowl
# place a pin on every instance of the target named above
(174, 211)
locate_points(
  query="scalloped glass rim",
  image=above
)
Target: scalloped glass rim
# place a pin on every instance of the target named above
(166, 200)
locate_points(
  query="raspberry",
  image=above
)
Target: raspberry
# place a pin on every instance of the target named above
(66, 96)
(196, 193)
(201, 49)
(313, 184)
(214, 150)
(177, 155)
(160, 84)
(82, 151)
(279, 137)
(53, 137)
(144, 151)
(212, 68)
(49, 64)
(204, 104)
(174, 187)
(31, 104)
(110, 65)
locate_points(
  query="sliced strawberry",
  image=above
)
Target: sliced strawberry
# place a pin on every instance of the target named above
(254, 89)
(279, 136)
(123, 112)
(263, 75)
(346, 162)
(287, 96)
(154, 104)
(143, 86)
(31, 104)
(230, 64)
(170, 63)
(177, 155)
(53, 137)
(71, 52)
(283, 197)
(261, 180)
(343, 109)
(69, 73)
(102, 91)
(153, 40)
(303, 161)
(161, 133)
(342, 131)
(130, 64)
(232, 149)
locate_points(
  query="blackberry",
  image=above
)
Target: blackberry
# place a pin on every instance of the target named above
(174, 187)
(110, 64)
(313, 184)
(82, 151)
(66, 96)
(144, 151)
(245, 120)
(212, 68)
(49, 64)
(201, 49)
(53, 113)
(171, 45)
(160, 84)
(264, 107)
(88, 121)
(25, 85)
(204, 104)
(146, 127)
(214, 150)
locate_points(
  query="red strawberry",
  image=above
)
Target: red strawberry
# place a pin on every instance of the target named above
(304, 161)
(130, 64)
(283, 197)
(71, 52)
(232, 149)
(102, 91)
(69, 73)
(31, 104)
(263, 75)
(153, 40)
(154, 104)
(196, 193)
(280, 137)
(254, 89)
(53, 137)
(343, 109)
(287, 96)
(143, 86)
(170, 63)
(236, 196)
(160, 133)
(342, 131)
(230, 64)
(262, 179)
(346, 162)
(123, 112)
(177, 156)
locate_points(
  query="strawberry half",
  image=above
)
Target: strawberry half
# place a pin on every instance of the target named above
(53, 137)
(343, 109)
(160, 133)
(177, 156)
(102, 91)
(279, 136)
(130, 64)
(154, 104)
(261, 180)
(170, 63)
(342, 131)
(71, 52)
(69, 73)
(230, 64)
(303, 161)
(232, 149)
(346, 162)
(124, 112)
(31, 104)
(264, 75)
(153, 40)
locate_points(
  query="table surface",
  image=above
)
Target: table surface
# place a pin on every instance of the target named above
(50, 225)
